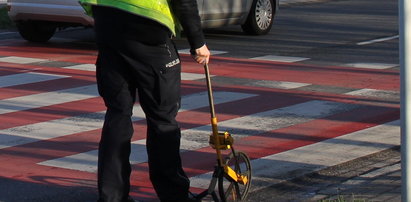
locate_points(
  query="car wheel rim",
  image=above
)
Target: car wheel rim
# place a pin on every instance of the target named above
(263, 14)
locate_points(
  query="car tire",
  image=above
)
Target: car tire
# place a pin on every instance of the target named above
(36, 31)
(261, 17)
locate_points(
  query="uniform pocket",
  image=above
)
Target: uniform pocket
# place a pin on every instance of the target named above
(169, 77)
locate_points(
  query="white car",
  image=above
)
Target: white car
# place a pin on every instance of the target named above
(37, 20)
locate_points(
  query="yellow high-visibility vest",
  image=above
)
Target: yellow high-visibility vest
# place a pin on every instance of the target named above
(158, 10)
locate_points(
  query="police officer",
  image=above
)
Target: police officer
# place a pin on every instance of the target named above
(137, 58)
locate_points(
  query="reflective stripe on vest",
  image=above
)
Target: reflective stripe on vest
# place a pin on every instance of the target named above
(158, 10)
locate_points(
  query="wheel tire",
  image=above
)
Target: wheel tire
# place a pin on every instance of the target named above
(229, 190)
(36, 31)
(261, 17)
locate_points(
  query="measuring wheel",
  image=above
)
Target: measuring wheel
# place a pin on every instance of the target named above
(229, 189)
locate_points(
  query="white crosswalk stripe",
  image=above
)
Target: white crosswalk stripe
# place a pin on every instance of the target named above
(278, 58)
(371, 65)
(84, 67)
(366, 92)
(279, 84)
(46, 99)
(21, 60)
(27, 78)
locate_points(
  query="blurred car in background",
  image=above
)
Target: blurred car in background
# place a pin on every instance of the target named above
(38, 20)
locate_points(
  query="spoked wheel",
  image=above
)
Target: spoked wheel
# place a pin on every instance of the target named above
(261, 17)
(230, 190)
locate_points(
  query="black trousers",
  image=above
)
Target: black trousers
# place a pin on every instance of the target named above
(137, 56)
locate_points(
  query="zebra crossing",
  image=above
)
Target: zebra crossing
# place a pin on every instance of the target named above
(278, 111)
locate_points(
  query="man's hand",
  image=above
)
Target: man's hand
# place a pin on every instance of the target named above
(201, 55)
